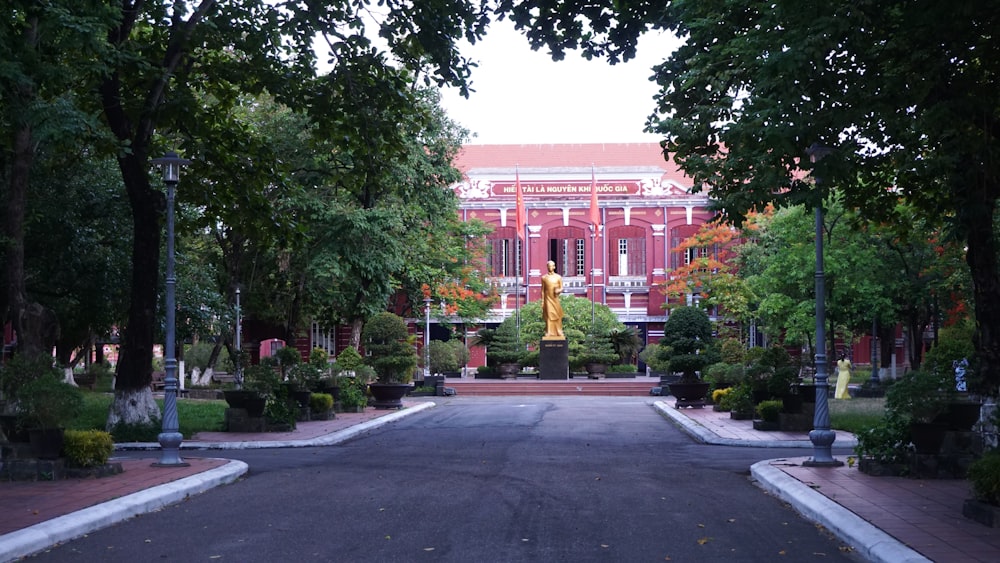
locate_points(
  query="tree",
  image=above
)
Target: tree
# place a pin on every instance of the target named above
(165, 56)
(44, 46)
(905, 92)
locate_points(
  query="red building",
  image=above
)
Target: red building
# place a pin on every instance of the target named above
(644, 208)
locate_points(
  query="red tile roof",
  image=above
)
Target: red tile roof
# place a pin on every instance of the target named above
(605, 157)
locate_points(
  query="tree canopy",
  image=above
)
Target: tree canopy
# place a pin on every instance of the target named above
(905, 92)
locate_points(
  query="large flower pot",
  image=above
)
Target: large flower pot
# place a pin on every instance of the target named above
(509, 370)
(689, 394)
(47, 443)
(251, 401)
(927, 437)
(388, 395)
(596, 370)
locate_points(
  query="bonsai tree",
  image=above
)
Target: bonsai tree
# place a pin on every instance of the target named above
(347, 361)
(46, 402)
(597, 349)
(391, 354)
(626, 343)
(687, 335)
(504, 347)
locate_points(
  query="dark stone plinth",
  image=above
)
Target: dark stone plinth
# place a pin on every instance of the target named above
(553, 359)
(985, 514)
(796, 422)
(33, 469)
(237, 420)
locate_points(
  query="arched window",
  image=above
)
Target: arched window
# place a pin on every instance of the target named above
(566, 249)
(627, 251)
(505, 252)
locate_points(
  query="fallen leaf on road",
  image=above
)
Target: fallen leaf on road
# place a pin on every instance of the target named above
(703, 541)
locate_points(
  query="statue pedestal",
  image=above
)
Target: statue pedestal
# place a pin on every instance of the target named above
(553, 359)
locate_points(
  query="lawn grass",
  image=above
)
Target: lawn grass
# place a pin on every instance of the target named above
(853, 415)
(193, 415)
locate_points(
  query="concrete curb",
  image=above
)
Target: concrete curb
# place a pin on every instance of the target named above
(325, 440)
(706, 436)
(870, 542)
(70, 526)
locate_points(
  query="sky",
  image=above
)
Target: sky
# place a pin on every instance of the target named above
(524, 97)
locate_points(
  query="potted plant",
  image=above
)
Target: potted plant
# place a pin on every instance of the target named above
(740, 402)
(597, 353)
(45, 405)
(769, 412)
(684, 346)
(392, 355)
(505, 351)
(321, 406)
(984, 474)
(260, 382)
(920, 397)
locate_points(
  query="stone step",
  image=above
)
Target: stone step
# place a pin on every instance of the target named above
(605, 387)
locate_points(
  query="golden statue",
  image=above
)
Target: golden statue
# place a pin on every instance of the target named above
(552, 312)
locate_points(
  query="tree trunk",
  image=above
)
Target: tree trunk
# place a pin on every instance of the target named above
(132, 407)
(136, 359)
(356, 326)
(982, 259)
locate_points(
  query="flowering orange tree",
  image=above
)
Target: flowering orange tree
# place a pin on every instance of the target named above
(711, 272)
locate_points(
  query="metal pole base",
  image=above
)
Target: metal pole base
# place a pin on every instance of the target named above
(822, 440)
(170, 450)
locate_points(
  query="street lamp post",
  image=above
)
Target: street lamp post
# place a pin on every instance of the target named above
(238, 341)
(170, 437)
(822, 436)
(427, 337)
(875, 379)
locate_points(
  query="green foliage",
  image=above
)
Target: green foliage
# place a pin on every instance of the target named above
(320, 402)
(919, 396)
(47, 402)
(349, 359)
(505, 347)
(984, 474)
(261, 378)
(597, 349)
(447, 356)
(20, 370)
(281, 408)
(626, 343)
(87, 448)
(391, 354)
(781, 381)
(352, 395)
(687, 336)
(320, 359)
(577, 313)
(769, 410)
(732, 350)
(739, 399)
(885, 442)
(622, 368)
(288, 356)
(953, 345)
(126, 432)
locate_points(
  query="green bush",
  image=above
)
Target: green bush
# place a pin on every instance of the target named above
(320, 402)
(884, 442)
(48, 402)
(622, 368)
(352, 396)
(984, 473)
(87, 448)
(349, 359)
(122, 432)
(769, 410)
(390, 352)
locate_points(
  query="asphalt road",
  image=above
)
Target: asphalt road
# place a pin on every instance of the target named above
(480, 480)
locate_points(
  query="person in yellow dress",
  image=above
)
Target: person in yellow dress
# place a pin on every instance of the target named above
(843, 377)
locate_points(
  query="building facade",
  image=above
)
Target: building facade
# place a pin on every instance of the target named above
(643, 209)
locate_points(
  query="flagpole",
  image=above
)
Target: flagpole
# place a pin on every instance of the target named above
(594, 220)
(519, 220)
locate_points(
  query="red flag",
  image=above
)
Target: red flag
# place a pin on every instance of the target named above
(520, 205)
(595, 210)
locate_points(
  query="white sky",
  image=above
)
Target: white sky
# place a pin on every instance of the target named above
(524, 97)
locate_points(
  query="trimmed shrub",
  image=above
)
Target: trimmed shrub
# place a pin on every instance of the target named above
(320, 402)
(984, 473)
(769, 411)
(87, 448)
